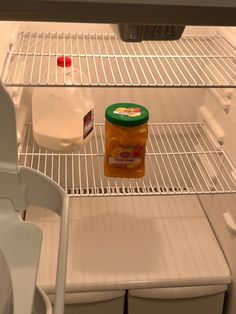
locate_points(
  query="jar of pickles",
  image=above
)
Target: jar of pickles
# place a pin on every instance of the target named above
(126, 133)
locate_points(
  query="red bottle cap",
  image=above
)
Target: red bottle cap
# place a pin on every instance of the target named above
(64, 62)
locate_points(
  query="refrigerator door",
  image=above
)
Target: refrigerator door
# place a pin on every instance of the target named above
(6, 300)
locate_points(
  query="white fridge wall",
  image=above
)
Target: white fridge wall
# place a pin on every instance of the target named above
(227, 122)
(68, 27)
(8, 32)
(98, 28)
(229, 33)
(164, 105)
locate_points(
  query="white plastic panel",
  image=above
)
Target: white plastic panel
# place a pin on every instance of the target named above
(133, 242)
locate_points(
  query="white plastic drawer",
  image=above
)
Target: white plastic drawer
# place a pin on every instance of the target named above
(99, 302)
(170, 301)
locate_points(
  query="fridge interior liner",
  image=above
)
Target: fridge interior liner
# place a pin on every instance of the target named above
(185, 156)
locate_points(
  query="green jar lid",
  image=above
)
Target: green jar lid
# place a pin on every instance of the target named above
(127, 114)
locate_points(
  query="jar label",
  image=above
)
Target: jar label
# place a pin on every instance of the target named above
(88, 123)
(128, 157)
(131, 112)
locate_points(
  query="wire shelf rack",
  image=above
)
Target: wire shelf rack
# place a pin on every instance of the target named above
(106, 61)
(181, 158)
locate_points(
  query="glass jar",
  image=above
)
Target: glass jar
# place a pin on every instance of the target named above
(126, 133)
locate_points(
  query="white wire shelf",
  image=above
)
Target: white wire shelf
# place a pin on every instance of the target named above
(193, 61)
(181, 158)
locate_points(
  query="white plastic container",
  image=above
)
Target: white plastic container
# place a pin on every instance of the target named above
(63, 117)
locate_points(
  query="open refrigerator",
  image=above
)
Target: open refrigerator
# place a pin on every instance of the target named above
(167, 236)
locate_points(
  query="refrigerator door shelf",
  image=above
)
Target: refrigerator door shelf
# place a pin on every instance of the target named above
(20, 242)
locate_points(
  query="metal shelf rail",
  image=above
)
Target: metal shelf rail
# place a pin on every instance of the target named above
(181, 158)
(193, 61)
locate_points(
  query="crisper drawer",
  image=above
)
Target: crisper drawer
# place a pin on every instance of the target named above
(185, 300)
(99, 302)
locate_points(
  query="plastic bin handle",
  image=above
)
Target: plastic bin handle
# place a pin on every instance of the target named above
(229, 222)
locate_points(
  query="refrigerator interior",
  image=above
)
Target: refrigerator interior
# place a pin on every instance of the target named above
(128, 71)
(171, 80)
